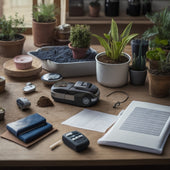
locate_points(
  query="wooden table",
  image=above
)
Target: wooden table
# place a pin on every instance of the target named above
(39, 154)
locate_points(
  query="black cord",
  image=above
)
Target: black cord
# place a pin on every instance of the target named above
(118, 102)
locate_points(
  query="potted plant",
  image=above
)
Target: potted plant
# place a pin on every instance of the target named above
(158, 54)
(80, 37)
(159, 72)
(112, 65)
(159, 34)
(43, 25)
(11, 40)
(94, 8)
(138, 70)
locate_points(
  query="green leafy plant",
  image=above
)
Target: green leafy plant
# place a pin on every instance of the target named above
(158, 54)
(160, 32)
(80, 36)
(95, 3)
(113, 43)
(9, 28)
(45, 13)
(139, 62)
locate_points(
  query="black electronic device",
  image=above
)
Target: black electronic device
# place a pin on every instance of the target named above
(76, 141)
(80, 93)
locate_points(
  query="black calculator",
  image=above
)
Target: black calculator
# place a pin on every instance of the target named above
(76, 141)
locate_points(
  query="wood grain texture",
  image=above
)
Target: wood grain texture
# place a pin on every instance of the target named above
(39, 154)
(11, 70)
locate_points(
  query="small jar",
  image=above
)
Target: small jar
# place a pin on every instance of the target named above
(2, 113)
(63, 32)
(112, 8)
(2, 84)
(133, 7)
(23, 62)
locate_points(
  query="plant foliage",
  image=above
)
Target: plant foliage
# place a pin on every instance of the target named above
(113, 43)
(160, 32)
(80, 36)
(95, 3)
(139, 62)
(45, 13)
(160, 55)
(10, 27)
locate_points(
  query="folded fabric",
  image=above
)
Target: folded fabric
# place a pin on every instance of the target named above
(29, 128)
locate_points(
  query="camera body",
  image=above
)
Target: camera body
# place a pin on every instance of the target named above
(81, 93)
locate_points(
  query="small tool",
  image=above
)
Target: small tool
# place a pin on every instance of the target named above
(29, 88)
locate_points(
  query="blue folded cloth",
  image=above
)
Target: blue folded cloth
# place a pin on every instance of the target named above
(29, 128)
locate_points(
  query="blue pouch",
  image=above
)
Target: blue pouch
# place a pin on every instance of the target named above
(29, 128)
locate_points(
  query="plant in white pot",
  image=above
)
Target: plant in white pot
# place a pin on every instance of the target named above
(112, 65)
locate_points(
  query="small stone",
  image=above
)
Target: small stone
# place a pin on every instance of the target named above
(44, 102)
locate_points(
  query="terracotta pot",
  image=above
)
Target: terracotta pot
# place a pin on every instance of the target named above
(159, 85)
(43, 33)
(11, 49)
(94, 11)
(154, 64)
(78, 53)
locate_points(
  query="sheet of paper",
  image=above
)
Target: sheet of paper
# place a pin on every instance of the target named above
(91, 120)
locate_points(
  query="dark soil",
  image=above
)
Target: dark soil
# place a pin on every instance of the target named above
(106, 59)
(17, 37)
(44, 102)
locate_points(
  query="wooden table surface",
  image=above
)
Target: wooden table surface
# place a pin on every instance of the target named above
(39, 154)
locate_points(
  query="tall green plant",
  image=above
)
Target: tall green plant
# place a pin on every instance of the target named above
(45, 13)
(139, 62)
(113, 43)
(10, 27)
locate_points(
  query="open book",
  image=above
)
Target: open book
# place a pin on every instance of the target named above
(142, 126)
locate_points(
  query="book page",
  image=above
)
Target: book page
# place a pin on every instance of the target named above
(147, 121)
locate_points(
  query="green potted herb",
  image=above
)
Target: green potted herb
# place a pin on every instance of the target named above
(159, 34)
(44, 22)
(138, 70)
(159, 72)
(112, 65)
(158, 54)
(94, 8)
(11, 40)
(80, 37)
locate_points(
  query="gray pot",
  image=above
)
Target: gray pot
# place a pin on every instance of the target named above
(137, 77)
(112, 75)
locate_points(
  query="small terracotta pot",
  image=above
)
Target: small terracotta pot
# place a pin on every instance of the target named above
(23, 62)
(94, 11)
(78, 53)
(43, 33)
(159, 85)
(11, 49)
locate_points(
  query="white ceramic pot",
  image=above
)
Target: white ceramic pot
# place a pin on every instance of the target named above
(112, 75)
